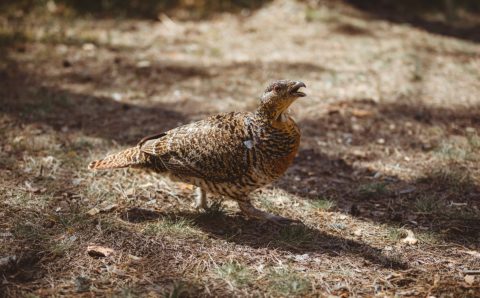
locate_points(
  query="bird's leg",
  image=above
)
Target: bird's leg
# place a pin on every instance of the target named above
(200, 199)
(249, 210)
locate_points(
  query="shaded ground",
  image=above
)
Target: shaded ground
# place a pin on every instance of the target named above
(390, 144)
(450, 18)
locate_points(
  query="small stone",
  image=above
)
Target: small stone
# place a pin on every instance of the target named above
(359, 153)
(117, 96)
(470, 130)
(89, 47)
(77, 181)
(143, 64)
(357, 127)
(301, 258)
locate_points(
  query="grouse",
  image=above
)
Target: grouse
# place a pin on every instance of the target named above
(229, 154)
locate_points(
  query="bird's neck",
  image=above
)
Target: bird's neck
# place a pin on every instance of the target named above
(280, 120)
(272, 114)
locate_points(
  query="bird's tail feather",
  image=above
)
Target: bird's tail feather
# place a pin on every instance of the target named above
(126, 158)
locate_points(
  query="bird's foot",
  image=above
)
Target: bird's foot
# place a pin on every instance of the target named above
(249, 210)
(200, 200)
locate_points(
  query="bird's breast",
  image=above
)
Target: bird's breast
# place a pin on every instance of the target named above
(274, 147)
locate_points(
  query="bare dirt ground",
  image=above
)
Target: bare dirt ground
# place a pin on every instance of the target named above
(390, 147)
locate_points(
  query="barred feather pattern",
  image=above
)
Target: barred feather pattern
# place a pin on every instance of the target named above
(229, 154)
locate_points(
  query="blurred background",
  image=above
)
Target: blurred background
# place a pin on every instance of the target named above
(390, 134)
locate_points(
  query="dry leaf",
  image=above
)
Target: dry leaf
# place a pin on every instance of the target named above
(474, 253)
(93, 211)
(135, 258)
(109, 208)
(185, 187)
(470, 279)
(410, 239)
(361, 113)
(99, 251)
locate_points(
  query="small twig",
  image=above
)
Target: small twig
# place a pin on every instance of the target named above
(471, 272)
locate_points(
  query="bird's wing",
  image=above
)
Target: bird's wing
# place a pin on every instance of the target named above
(211, 149)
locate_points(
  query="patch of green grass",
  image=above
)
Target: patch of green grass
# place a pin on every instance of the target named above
(71, 219)
(323, 204)
(375, 189)
(321, 15)
(127, 293)
(215, 210)
(267, 205)
(170, 226)
(215, 52)
(451, 177)
(395, 234)
(295, 235)
(7, 161)
(427, 203)
(8, 38)
(418, 69)
(428, 237)
(392, 259)
(453, 151)
(82, 144)
(464, 213)
(108, 225)
(62, 247)
(29, 231)
(235, 273)
(180, 289)
(287, 282)
(78, 39)
(462, 148)
(474, 141)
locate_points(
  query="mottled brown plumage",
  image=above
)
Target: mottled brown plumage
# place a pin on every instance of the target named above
(229, 154)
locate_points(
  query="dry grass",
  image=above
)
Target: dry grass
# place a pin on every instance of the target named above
(390, 143)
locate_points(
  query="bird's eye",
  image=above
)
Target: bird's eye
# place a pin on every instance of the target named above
(277, 88)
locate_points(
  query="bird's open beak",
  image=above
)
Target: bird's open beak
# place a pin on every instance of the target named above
(294, 89)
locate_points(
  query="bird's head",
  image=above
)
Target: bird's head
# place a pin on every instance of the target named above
(278, 96)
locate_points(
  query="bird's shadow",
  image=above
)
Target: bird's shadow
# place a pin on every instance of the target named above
(296, 238)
